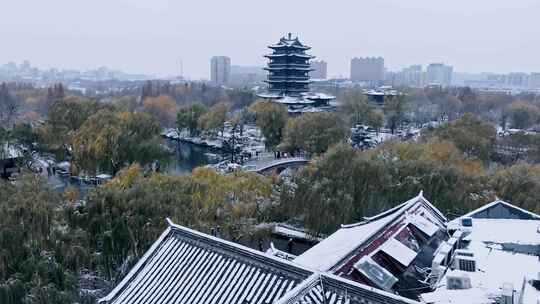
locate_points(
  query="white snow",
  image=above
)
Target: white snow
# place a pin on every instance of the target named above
(495, 268)
(343, 242)
(503, 231)
(10, 151)
(423, 224)
(400, 252)
(332, 249)
(293, 232)
(503, 252)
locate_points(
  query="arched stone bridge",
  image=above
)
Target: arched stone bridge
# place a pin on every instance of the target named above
(264, 166)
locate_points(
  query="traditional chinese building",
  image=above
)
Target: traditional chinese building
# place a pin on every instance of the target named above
(289, 67)
(385, 251)
(186, 266)
(288, 77)
(408, 253)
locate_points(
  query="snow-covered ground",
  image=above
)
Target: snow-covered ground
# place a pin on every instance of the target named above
(250, 141)
(365, 137)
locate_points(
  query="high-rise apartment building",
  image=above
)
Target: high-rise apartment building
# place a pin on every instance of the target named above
(220, 70)
(440, 74)
(413, 76)
(320, 69)
(368, 69)
(517, 80)
(534, 81)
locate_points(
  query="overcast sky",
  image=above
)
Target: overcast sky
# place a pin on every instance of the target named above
(152, 36)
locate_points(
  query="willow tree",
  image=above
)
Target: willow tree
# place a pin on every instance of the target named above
(271, 119)
(313, 133)
(188, 117)
(108, 141)
(395, 110)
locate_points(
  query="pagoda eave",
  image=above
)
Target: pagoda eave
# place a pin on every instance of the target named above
(289, 55)
(289, 69)
(289, 81)
(282, 46)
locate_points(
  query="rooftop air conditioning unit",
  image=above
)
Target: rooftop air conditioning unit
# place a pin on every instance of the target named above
(464, 260)
(507, 294)
(458, 280)
(466, 222)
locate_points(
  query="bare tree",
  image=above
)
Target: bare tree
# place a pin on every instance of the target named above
(8, 105)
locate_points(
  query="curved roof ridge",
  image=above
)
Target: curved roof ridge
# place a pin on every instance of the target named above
(500, 201)
(388, 212)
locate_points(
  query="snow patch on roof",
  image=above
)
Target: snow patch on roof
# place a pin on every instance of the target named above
(400, 252)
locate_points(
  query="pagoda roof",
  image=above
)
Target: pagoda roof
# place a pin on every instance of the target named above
(277, 65)
(319, 96)
(271, 68)
(307, 56)
(289, 42)
(288, 81)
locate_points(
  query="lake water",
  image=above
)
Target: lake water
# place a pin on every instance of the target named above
(187, 157)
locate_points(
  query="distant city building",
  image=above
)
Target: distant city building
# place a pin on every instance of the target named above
(368, 69)
(242, 76)
(319, 69)
(439, 73)
(517, 80)
(25, 72)
(412, 76)
(220, 70)
(534, 81)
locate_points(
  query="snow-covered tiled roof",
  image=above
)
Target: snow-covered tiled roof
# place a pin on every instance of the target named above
(290, 55)
(504, 231)
(322, 288)
(495, 267)
(289, 42)
(503, 240)
(338, 245)
(343, 244)
(186, 266)
(501, 205)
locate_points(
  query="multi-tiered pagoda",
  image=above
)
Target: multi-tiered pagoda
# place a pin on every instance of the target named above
(289, 67)
(288, 77)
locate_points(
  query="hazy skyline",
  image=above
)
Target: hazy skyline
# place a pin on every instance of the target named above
(152, 37)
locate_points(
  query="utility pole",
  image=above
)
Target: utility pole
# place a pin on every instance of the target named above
(181, 69)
